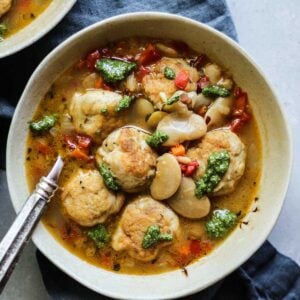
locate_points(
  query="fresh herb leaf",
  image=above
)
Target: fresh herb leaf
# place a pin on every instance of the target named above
(215, 91)
(114, 70)
(169, 73)
(124, 103)
(43, 124)
(217, 166)
(153, 236)
(221, 223)
(156, 139)
(99, 235)
(108, 178)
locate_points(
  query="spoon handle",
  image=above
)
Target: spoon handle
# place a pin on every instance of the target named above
(20, 231)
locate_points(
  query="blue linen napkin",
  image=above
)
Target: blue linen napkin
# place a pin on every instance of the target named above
(267, 274)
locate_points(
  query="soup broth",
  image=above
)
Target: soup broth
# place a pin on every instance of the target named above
(192, 239)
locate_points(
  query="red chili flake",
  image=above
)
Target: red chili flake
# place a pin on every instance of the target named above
(182, 79)
(149, 55)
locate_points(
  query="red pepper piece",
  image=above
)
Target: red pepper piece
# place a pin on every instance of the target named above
(69, 140)
(182, 79)
(195, 247)
(236, 125)
(149, 55)
(91, 59)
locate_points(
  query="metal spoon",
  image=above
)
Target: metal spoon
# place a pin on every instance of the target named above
(20, 231)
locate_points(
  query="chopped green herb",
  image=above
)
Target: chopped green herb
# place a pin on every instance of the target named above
(124, 103)
(108, 178)
(156, 139)
(173, 99)
(3, 30)
(153, 236)
(43, 124)
(169, 73)
(114, 70)
(104, 110)
(221, 223)
(99, 235)
(215, 91)
(217, 166)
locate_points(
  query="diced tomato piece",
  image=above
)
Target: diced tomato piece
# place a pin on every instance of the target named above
(182, 79)
(183, 167)
(194, 163)
(141, 73)
(195, 247)
(149, 55)
(202, 83)
(190, 168)
(92, 58)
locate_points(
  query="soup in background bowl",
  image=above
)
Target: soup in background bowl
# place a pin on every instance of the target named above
(199, 109)
(22, 22)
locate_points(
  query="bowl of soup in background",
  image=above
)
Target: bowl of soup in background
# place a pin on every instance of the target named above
(37, 26)
(276, 152)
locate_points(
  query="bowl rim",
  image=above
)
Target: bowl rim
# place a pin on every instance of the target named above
(288, 144)
(43, 31)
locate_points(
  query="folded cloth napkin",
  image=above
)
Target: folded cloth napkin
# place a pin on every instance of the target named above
(267, 274)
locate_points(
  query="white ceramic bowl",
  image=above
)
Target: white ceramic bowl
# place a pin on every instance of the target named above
(37, 28)
(273, 129)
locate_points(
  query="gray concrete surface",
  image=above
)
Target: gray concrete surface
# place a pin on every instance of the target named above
(269, 31)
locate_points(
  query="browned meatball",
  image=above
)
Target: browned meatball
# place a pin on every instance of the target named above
(155, 82)
(129, 157)
(93, 113)
(136, 219)
(87, 201)
(218, 140)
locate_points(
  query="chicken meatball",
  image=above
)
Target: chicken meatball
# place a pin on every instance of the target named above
(87, 201)
(93, 113)
(155, 82)
(136, 219)
(218, 140)
(5, 6)
(129, 158)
